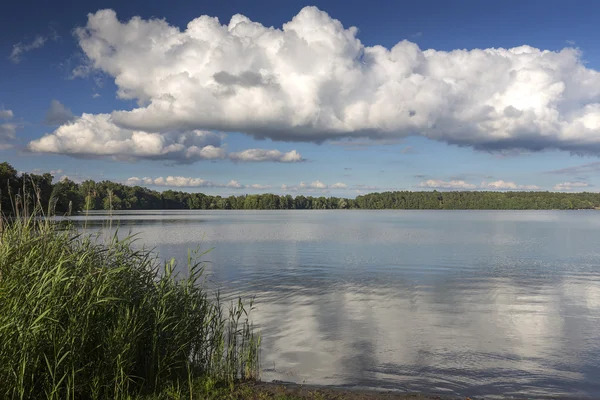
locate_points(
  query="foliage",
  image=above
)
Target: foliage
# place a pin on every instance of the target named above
(105, 195)
(81, 318)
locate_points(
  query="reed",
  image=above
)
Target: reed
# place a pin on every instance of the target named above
(84, 318)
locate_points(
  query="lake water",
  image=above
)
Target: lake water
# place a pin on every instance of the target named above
(475, 303)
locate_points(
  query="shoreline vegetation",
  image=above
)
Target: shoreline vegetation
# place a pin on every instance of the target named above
(88, 318)
(70, 197)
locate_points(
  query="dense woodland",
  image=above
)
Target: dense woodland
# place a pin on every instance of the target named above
(67, 196)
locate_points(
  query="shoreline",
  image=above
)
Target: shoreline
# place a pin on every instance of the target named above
(296, 391)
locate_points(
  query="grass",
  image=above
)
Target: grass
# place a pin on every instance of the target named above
(82, 318)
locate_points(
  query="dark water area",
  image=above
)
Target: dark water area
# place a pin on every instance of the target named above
(479, 303)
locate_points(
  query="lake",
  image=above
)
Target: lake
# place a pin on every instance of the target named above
(476, 303)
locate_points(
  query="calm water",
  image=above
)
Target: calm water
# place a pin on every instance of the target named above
(459, 302)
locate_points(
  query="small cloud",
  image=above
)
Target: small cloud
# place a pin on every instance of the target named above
(20, 48)
(96, 95)
(233, 184)
(316, 186)
(39, 41)
(408, 150)
(439, 184)
(503, 185)
(6, 114)
(417, 34)
(261, 155)
(569, 186)
(570, 42)
(8, 130)
(58, 114)
(260, 187)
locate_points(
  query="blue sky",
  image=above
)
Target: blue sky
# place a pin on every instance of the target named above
(313, 108)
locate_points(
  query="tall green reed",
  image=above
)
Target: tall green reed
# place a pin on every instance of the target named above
(85, 318)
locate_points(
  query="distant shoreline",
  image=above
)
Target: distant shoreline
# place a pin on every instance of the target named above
(68, 197)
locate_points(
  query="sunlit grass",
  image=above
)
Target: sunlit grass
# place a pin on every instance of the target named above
(85, 318)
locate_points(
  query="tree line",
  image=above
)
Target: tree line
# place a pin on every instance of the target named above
(67, 196)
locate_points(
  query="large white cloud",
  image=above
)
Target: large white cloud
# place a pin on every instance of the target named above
(96, 135)
(313, 80)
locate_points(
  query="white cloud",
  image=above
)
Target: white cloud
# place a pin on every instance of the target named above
(313, 80)
(256, 155)
(58, 114)
(260, 187)
(503, 185)
(568, 186)
(96, 135)
(188, 182)
(234, 184)
(172, 181)
(440, 184)
(463, 185)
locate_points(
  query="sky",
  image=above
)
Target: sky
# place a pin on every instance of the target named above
(335, 98)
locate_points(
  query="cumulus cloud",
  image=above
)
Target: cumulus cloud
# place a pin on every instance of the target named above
(172, 181)
(258, 155)
(463, 185)
(313, 80)
(96, 135)
(569, 186)
(187, 182)
(58, 114)
(260, 187)
(503, 185)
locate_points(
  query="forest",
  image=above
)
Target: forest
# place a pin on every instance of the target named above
(66, 196)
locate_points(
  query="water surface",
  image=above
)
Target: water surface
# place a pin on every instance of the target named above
(460, 302)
